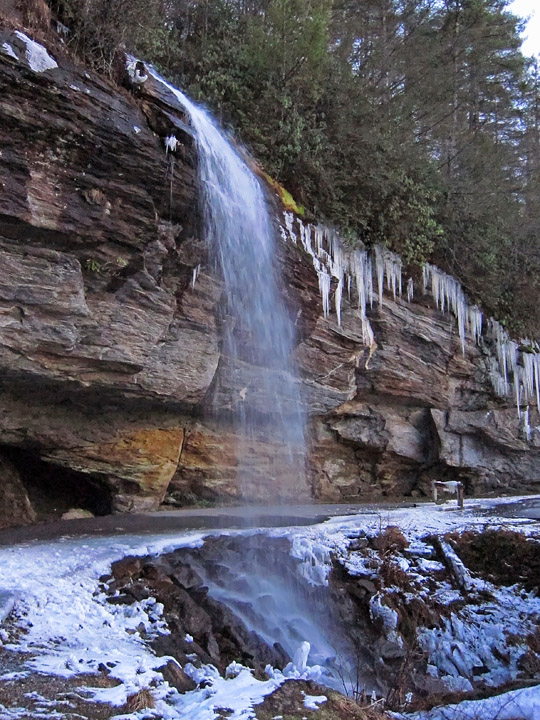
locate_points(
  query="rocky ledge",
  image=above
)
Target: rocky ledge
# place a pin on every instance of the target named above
(110, 352)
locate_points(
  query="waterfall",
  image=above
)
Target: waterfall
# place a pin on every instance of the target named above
(257, 369)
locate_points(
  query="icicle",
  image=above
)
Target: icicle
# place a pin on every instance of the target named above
(379, 266)
(171, 144)
(517, 390)
(449, 296)
(359, 269)
(410, 289)
(318, 239)
(528, 375)
(392, 269)
(289, 217)
(500, 383)
(537, 380)
(196, 272)
(338, 273)
(526, 425)
(474, 322)
(337, 299)
(369, 281)
(324, 288)
(368, 338)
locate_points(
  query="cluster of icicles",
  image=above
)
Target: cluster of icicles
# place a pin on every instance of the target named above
(511, 371)
(331, 260)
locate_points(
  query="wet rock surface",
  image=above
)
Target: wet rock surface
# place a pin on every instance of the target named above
(111, 364)
(202, 630)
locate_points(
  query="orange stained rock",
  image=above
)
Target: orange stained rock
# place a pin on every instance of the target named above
(147, 456)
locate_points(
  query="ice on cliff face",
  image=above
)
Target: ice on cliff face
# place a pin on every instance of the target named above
(37, 57)
(511, 372)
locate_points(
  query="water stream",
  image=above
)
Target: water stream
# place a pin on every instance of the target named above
(257, 369)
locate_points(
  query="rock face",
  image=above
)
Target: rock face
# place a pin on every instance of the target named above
(110, 356)
(15, 506)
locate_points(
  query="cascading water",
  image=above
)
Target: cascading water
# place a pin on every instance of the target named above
(257, 370)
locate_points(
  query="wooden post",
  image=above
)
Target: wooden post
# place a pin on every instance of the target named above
(460, 495)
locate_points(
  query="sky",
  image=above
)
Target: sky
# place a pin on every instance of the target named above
(526, 8)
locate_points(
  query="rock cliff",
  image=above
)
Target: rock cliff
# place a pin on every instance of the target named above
(112, 395)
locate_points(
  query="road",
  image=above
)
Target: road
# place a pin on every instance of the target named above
(246, 516)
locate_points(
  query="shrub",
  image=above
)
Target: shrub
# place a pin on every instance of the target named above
(102, 30)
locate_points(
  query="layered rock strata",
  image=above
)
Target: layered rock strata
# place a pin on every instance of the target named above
(111, 322)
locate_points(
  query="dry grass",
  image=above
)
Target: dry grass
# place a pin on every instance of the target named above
(36, 14)
(390, 541)
(64, 693)
(143, 700)
(503, 557)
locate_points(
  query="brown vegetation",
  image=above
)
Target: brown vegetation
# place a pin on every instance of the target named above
(391, 540)
(36, 14)
(503, 557)
(142, 700)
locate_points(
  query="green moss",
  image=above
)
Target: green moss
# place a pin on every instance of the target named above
(286, 198)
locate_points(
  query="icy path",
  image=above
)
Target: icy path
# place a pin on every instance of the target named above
(68, 627)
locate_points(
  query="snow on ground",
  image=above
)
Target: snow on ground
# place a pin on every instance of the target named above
(515, 705)
(63, 621)
(312, 702)
(315, 545)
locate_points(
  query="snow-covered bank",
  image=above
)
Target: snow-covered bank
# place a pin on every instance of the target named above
(515, 705)
(63, 620)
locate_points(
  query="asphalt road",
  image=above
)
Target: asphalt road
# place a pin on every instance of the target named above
(247, 516)
(216, 518)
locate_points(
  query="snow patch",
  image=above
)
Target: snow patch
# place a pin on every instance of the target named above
(515, 705)
(312, 702)
(8, 50)
(38, 58)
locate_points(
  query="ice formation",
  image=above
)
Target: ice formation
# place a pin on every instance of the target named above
(62, 29)
(301, 657)
(510, 371)
(349, 268)
(38, 58)
(8, 50)
(171, 143)
(135, 70)
(508, 375)
(449, 297)
(388, 265)
(195, 275)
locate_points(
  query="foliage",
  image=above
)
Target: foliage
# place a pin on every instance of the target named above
(102, 30)
(93, 265)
